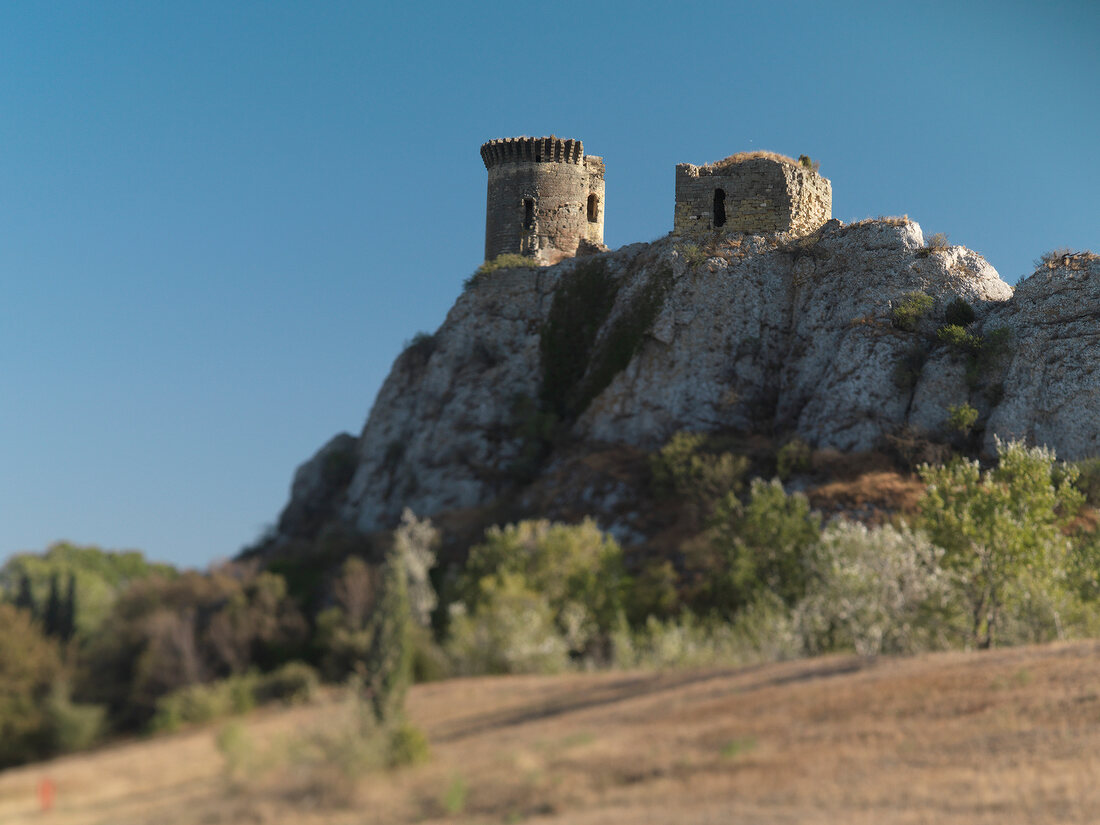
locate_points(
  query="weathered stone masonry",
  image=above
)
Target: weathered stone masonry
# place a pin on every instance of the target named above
(752, 194)
(545, 198)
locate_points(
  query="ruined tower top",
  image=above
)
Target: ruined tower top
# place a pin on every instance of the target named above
(545, 198)
(751, 192)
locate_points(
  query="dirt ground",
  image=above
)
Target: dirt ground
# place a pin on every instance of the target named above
(1008, 736)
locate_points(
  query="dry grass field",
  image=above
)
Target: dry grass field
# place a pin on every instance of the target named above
(1008, 736)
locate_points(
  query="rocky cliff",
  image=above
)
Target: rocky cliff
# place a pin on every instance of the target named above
(838, 339)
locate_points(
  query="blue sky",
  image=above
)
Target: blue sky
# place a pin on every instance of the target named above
(219, 222)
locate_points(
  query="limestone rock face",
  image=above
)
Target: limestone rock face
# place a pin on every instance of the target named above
(774, 334)
(438, 433)
(797, 339)
(319, 487)
(1052, 384)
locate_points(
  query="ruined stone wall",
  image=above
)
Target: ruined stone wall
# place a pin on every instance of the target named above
(537, 202)
(761, 196)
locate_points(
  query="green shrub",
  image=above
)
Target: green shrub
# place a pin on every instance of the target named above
(200, 703)
(30, 664)
(507, 260)
(910, 309)
(511, 629)
(807, 163)
(1088, 479)
(73, 727)
(959, 312)
(408, 746)
(692, 253)
(959, 339)
(961, 418)
(754, 548)
(653, 591)
(576, 569)
(762, 631)
(294, 683)
(1002, 531)
(429, 660)
(792, 458)
(874, 591)
(454, 798)
(687, 468)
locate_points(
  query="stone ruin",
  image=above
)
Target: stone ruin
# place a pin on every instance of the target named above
(546, 197)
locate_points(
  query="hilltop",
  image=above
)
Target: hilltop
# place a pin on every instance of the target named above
(545, 388)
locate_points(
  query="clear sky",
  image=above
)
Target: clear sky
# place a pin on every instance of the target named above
(220, 221)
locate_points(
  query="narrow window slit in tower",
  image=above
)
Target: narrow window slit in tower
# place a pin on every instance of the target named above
(528, 213)
(719, 208)
(593, 209)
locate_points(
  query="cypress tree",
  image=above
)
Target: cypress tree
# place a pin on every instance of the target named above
(68, 610)
(389, 659)
(52, 619)
(24, 599)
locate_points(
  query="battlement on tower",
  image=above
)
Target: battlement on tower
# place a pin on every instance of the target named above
(532, 150)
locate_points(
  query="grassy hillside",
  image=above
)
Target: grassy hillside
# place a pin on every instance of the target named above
(1001, 736)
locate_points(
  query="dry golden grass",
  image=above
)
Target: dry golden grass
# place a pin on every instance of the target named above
(1008, 736)
(740, 157)
(889, 220)
(879, 493)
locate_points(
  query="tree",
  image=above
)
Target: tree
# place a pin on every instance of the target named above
(415, 541)
(29, 666)
(67, 619)
(1002, 530)
(388, 663)
(53, 617)
(754, 547)
(25, 598)
(100, 576)
(577, 569)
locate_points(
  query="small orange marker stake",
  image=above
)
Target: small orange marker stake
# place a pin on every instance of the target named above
(45, 793)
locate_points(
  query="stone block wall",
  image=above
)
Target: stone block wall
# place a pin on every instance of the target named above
(545, 197)
(758, 195)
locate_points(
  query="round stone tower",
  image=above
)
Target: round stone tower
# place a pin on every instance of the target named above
(545, 198)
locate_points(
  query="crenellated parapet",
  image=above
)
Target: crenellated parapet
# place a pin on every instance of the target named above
(532, 150)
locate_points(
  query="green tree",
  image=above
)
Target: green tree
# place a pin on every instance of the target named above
(67, 619)
(345, 631)
(752, 547)
(53, 617)
(577, 568)
(25, 597)
(30, 664)
(1002, 530)
(100, 576)
(388, 663)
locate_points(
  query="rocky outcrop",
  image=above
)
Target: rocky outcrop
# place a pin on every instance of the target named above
(1051, 390)
(788, 336)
